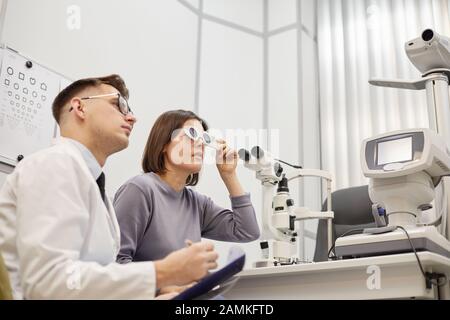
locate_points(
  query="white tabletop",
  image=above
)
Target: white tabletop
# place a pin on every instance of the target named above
(399, 277)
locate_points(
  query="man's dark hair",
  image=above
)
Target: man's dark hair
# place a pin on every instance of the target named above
(78, 86)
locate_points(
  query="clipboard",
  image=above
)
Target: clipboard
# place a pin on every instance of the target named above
(217, 282)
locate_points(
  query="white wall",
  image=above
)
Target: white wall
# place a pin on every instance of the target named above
(230, 97)
(153, 45)
(236, 68)
(4, 169)
(310, 118)
(1, 15)
(150, 43)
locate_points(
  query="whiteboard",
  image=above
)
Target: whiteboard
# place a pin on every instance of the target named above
(27, 90)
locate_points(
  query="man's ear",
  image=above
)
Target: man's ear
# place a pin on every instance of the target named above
(77, 107)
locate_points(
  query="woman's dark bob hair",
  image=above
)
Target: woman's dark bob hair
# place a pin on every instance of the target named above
(160, 136)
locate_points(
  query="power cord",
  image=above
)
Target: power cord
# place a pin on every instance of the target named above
(342, 235)
(431, 278)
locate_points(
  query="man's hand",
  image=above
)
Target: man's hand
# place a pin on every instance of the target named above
(167, 296)
(175, 289)
(186, 265)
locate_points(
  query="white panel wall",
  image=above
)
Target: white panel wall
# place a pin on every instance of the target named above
(231, 76)
(281, 13)
(2, 175)
(152, 44)
(310, 126)
(293, 103)
(308, 15)
(283, 106)
(246, 13)
(292, 77)
(230, 98)
(3, 168)
(194, 3)
(231, 83)
(1, 16)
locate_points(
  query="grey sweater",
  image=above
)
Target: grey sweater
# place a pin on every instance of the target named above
(155, 219)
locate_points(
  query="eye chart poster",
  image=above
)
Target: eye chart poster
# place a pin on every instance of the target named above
(27, 90)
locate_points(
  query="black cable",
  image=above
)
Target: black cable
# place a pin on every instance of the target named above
(428, 276)
(342, 235)
(413, 249)
(291, 165)
(329, 252)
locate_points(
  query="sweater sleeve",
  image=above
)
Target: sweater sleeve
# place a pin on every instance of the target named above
(237, 225)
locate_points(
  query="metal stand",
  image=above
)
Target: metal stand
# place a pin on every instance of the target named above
(281, 248)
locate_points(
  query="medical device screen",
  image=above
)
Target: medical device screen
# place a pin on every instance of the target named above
(399, 150)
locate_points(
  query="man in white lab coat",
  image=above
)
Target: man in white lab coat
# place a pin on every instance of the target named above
(59, 235)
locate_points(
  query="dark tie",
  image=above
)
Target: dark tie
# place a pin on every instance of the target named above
(101, 185)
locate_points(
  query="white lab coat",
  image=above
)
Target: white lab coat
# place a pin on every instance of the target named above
(58, 239)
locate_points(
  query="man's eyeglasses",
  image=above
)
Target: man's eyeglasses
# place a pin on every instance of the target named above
(122, 103)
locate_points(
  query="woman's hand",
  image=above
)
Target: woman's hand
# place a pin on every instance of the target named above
(226, 159)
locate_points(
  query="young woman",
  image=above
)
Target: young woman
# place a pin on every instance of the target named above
(156, 211)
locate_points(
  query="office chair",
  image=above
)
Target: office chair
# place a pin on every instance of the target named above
(352, 209)
(5, 287)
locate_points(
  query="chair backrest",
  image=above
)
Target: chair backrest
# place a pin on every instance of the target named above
(352, 209)
(5, 287)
